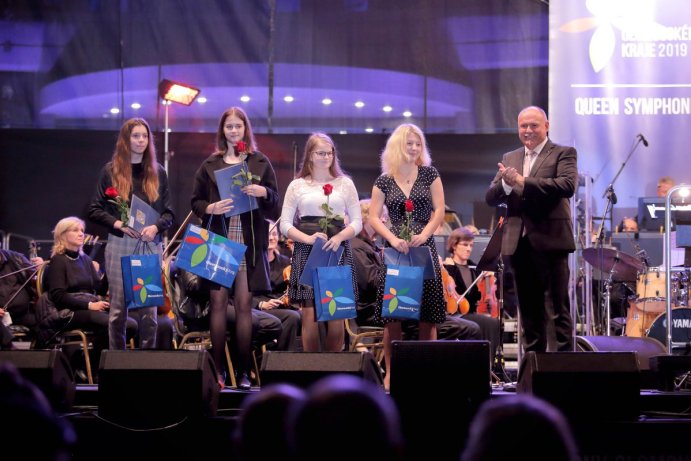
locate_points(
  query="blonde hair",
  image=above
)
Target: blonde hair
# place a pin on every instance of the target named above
(394, 153)
(64, 225)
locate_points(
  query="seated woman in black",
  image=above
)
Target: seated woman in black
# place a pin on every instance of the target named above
(72, 282)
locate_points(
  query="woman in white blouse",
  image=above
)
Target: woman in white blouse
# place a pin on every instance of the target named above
(320, 181)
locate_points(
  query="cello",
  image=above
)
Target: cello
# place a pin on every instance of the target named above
(488, 304)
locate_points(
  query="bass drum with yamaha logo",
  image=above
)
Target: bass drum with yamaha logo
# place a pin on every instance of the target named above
(681, 330)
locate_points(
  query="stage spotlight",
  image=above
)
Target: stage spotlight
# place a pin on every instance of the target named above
(171, 91)
(177, 92)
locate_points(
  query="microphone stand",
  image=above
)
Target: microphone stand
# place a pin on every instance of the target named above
(611, 201)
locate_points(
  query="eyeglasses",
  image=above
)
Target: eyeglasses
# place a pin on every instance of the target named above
(323, 153)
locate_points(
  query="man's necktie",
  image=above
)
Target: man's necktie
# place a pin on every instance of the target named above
(529, 156)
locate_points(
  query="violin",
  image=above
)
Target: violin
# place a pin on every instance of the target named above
(488, 291)
(285, 299)
(453, 305)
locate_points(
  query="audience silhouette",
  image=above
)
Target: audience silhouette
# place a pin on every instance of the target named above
(501, 427)
(345, 410)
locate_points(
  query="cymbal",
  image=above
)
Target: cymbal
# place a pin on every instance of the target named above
(624, 267)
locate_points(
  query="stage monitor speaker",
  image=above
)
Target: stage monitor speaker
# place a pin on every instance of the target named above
(49, 370)
(644, 347)
(583, 385)
(304, 368)
(146, 389)
(463, 366)
(440, 381)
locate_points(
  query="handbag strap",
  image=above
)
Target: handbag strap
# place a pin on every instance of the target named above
(142, 248)
(223, 221)
(410, 258)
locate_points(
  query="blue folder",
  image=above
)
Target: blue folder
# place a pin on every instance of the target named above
(319, 258)
(230, 183)
(417, 256)
(142, 215)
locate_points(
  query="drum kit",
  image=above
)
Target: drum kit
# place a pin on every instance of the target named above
(647, 308)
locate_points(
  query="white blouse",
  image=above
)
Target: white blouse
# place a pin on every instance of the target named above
(305, 198)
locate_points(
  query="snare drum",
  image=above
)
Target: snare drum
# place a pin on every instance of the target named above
(681, 328)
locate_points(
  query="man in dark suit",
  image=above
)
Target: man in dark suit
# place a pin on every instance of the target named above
(536, 183)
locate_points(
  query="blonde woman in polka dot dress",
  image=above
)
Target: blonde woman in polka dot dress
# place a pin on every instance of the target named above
(407, 174)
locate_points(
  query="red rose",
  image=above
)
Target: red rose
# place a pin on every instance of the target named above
(409, 206)
(240, 147)
(112, 192)
(328, 188)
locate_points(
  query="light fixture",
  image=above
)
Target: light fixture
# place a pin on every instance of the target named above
(359, 104)
(181, 93)
(387, 108)
(244, 98)
(288, 98)
(177, 92)
(326, 101)
(407, 114)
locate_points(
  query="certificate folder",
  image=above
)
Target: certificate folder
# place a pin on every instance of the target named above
(230, 181)
(142, 215)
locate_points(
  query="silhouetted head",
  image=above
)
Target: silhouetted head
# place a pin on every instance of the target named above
(502, 428)
(346, 408)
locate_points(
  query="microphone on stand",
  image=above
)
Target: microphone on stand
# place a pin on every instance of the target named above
(643, 140)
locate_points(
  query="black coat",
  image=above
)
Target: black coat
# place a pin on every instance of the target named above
(255, 228)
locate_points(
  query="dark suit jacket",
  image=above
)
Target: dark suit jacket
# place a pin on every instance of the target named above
(543, 206)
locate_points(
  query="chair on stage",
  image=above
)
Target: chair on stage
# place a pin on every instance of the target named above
(365, 339)
(75, 337)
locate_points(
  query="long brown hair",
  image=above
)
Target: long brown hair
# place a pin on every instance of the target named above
(122, 162)
(311, 144)
(222, 142)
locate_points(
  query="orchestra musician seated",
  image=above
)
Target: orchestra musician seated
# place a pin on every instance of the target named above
(480, 304)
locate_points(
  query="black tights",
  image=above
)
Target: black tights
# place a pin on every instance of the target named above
(243, 323)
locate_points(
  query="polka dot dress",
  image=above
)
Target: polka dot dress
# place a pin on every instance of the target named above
(433, 302)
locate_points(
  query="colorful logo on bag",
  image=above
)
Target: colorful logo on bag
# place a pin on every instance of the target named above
(397, 297)
(147, 289)
(204, 248)
(334, 297)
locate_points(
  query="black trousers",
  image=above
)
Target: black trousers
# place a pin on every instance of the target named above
(542, 277)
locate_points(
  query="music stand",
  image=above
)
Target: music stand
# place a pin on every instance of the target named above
(491, 260)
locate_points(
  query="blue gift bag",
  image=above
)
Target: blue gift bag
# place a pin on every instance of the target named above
(402, 292)
(333, 293)
(319, 258)
(141, 280)
(417, 256)
(210, 256)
